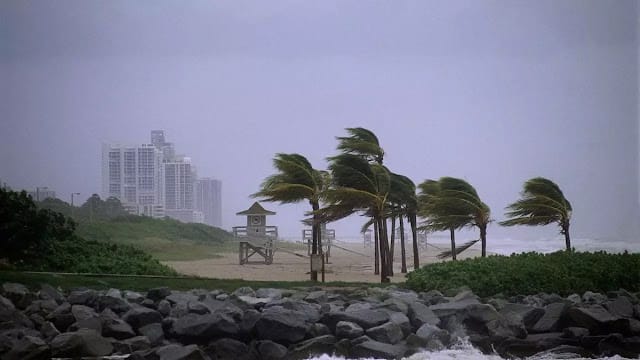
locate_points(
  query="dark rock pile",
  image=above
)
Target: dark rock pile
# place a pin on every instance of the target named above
(298, 324)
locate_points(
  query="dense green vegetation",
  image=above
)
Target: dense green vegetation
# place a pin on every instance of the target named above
(564, 272)
(33, 238)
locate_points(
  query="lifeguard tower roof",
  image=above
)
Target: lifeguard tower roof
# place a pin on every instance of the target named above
(256, 209)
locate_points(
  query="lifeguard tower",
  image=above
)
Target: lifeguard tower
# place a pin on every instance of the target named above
(366, 237)
(327, 236)
(256, 237)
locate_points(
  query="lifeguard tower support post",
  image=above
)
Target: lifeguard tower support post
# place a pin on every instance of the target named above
(256, 237)
(327, 237)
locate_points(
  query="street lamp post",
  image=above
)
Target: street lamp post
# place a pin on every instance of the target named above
(72, 194)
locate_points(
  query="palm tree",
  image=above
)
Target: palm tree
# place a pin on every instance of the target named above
(541, 203)
(296, 181)
(359, 186)
(403, 201)
(361, 142)
(455, 204)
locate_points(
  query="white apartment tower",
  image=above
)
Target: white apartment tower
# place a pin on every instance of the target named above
(178, 185)
(208, 200)
(134, 175)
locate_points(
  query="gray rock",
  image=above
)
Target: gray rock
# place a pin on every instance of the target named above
(61, 317)
(196, 307)
(140, 316)
(274, 294)
(401, 320)
(81, 312)
(575, 299)
(395, 305)
(179, 297)
(378, 349)
(113, 300)
(348, 330)
(595, 318)
(551, 319)
(84, 342)
(48, 292)
(224, 307)
(420, 314)
(574, 332)
(28, 347)
(227, 348)
(49, 331)
(249, 320)
(179, 352)
(222, 297)
(157, 294)
(136, 343)
(117, 329)
(620, 307)
(201, 328)
(357, 306)
(311, 312)
(133, 297)
(389, 333)
(529, 314)
(317, 297)
(269, 350)
(531, 345)
(318, 329)
(405, 296)
(6, 304)
(153, 332)
(244, 291)
(91, 323)
(253, 302)
(452, 307)
(593, 298)
(86, 297)
(164, 307)
(313, 347)
(365, 318)
(282, 325)
(427, 332)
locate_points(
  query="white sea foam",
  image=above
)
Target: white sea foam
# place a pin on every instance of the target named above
(464, 351)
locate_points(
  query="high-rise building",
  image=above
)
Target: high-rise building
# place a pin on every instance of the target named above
(134, 175)
(208, 200)
(178, 185)
(158, 140)
(41, 193)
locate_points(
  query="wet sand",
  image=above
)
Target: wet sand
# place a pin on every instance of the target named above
(348, 262)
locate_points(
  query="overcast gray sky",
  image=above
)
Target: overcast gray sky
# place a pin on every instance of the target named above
(495, 92)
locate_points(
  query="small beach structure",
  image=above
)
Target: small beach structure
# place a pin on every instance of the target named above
(366, 237)
(256, 238)
(328, 236)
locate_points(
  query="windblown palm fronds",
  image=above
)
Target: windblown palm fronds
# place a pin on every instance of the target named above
(541, 203)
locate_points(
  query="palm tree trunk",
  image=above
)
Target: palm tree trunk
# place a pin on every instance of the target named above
(453, 243)
(483, 239)
(392, 246)
(315, 231)
(320, 251)
(384, 250)
(376, 249)
(413, 220)
(567, 237)
(403, 252)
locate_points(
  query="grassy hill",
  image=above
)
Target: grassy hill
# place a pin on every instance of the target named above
(164, 239)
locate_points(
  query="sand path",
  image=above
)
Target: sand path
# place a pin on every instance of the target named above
(351, 262)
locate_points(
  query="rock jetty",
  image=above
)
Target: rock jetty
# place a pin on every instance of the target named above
(388, 323)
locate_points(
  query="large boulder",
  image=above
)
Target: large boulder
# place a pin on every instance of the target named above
(86, 297)
(157, 294)
(19, 295)
(348, 330)
(313, 347)
(428, 332)
(117, 329)
(269, 350)
(552, 318)
(84, 342)
(28, 347)
(310, 311)
(620, 307)
(140, 316)
(179, 352)
(595, 318)
(282, 325)
(203, 328)
(153, 332)
(389, 333)
(365, 318)
(401, 320)
(48, 292)
(452, 307)
(376, 349)
(227, 348)
(420, 314)
(114, 301)
(529, 314)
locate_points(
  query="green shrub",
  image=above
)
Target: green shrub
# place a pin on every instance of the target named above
(77, 255)
(531, 273)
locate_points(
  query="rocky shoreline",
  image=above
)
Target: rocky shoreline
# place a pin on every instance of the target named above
(297, 324)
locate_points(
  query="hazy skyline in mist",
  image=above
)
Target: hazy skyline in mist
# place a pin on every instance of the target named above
(494, 92)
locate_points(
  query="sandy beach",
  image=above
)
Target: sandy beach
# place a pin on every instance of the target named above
(348, 262)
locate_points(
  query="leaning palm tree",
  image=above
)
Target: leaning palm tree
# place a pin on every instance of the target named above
(455, 204)
(403, 201)
(361, 142)
(296, 181)
(542, 203)
(359, 186)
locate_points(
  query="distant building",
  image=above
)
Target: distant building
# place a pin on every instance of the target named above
(134, 175)
(41, 193)
(208, 200)
(178, 185)
(167, 148)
